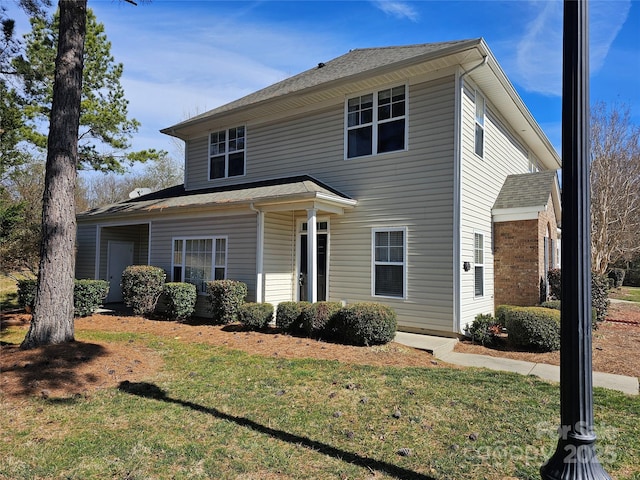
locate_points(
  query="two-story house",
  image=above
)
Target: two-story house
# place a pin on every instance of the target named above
(371, 177)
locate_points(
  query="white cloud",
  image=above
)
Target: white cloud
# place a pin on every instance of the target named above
(538, 59)
(606, 19)
(539, 51)
(399, 10)
(175, 70)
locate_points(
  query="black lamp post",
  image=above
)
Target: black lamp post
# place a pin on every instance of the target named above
(575, 457)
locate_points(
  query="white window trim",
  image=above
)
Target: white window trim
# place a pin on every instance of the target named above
(404, 261)
(374, 122)
(483, 264)
(476, 123)
(226, 154)
(213, 255)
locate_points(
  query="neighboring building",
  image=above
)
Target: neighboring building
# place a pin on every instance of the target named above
(371, 177)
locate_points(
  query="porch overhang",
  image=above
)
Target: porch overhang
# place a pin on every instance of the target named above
(282, 194)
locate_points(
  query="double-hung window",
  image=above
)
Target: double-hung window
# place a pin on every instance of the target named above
(376, 122)
(226, 153)
(389, 262)
(479, 136)
(199, 260)
(478, 259)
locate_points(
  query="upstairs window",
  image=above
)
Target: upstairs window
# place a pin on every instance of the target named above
(479, 142)
(226, 153)
(478, 259)
(376, 122)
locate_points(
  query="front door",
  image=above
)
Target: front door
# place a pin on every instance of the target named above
(120, 256)
(322, 254)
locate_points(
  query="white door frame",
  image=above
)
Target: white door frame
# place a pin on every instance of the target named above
(312, 260)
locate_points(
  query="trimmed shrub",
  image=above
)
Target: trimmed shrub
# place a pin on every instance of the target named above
(534, 328)
(599, 298)
(318, 318)
(289, 316)
(501, 314)
(555, 286)
(27, 293)
(142, 285)
(255, 315)
(225, 298)
(554, 304)
(483, 329)
(180, 298)
(599, 293)
(617, 276)
(366, 323)
(632, 277)
(88, 296)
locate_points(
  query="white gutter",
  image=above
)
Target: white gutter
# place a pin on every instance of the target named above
(259, 254)
(457, 196)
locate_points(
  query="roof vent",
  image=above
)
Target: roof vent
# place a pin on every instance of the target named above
(320, 65)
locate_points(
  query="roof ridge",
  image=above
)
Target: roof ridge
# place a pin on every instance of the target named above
(414, 45)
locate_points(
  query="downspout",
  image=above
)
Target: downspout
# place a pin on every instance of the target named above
(457, 196)
(259, 254)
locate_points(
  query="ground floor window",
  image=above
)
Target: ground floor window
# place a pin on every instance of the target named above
(389, 262)
(478, 258)
(199, 260)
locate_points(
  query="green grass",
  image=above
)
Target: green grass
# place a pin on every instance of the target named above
(218, 413)
(9, 291)
(626, 293)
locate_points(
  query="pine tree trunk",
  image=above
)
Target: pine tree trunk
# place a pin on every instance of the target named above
(52, 320)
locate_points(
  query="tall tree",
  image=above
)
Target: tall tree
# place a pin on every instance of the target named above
(52, 320)
(615, 186)
(105, 129)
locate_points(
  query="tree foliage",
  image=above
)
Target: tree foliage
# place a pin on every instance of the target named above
(21, 217)
(105, 129)
(615, 186)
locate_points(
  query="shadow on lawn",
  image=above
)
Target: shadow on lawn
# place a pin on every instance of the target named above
(149, 390)
(49, 367)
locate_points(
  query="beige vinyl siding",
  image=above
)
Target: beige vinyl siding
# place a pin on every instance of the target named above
(482, 179)
(197, 163)
(240, 232)
(136, 234)
(279, 257)
(86, 236)
(412, 189)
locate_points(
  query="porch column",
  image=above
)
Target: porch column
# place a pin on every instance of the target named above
(312, 255)
(260, 257)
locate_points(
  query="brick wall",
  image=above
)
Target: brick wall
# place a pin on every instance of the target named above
(519, 260)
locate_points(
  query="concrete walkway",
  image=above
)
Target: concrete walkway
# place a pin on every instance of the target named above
(442, 349)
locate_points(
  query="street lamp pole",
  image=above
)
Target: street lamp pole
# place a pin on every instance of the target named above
(575, 457)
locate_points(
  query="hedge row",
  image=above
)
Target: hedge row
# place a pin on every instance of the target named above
(600, 286)
(365, 323)
(530, 328)
(87, 295)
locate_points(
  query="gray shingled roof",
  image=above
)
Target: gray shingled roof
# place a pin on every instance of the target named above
(276, 190)
(526, 190)
(351, 64)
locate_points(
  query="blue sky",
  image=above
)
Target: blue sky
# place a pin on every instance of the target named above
(182, 58)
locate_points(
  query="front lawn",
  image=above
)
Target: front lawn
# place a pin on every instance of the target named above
(213, 412)
(631, 294)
